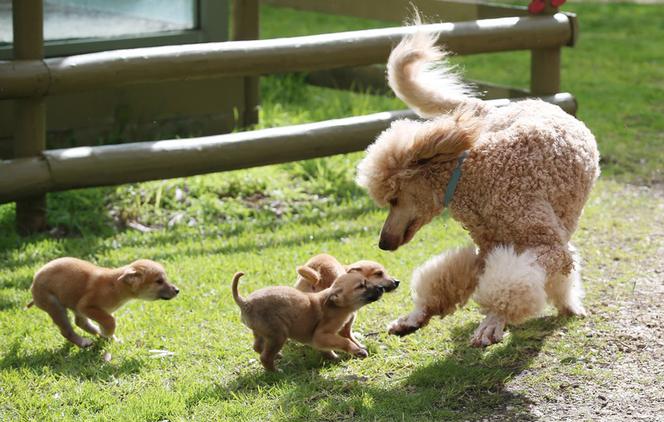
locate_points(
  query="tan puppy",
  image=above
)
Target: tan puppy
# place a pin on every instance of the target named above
(95, 293)
(320, 272)
(278, 313)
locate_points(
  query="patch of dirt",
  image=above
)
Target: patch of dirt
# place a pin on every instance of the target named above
(628, 381)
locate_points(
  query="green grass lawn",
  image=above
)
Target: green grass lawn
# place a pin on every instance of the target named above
(268, 220)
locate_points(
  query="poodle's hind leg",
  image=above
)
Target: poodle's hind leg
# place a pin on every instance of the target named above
(509, 291)
(565, 291)
(490, 331)
(438, 287)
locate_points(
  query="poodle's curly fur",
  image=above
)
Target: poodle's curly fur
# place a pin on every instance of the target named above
(528, 173)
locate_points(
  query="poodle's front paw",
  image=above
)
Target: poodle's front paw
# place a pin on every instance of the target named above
(409, 324)
(573, 310)
(489, 332)
(401, 327)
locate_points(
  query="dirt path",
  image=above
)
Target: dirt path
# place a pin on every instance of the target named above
(633, 389)
(625, 345)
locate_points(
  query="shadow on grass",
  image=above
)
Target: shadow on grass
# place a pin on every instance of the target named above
(465, 383)
(68, 360)
(93, 241)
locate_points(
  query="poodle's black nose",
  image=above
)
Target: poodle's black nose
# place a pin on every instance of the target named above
(387, 243)
(396, 283)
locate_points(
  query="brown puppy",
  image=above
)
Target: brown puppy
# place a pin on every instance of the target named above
(278, 313)
(95, 293)
(320, 272)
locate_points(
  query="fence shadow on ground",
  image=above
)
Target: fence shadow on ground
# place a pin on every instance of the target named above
(465, 383)
(95, 242)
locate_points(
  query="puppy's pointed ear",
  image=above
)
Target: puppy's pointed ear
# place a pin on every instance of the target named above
(309, 274)
(353, 269)
(131, 276)
(333, 298)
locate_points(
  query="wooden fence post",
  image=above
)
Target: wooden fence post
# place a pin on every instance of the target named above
(30, 113)
(246, 26)
(545, 65)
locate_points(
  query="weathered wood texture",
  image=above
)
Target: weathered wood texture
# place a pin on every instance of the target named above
(246, 26)
(372, 79)
(242, 58)
(115, 164)
(545, 71)
(29, 113)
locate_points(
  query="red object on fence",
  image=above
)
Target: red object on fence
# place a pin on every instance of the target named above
(537, 6)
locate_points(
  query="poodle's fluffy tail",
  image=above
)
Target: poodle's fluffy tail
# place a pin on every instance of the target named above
(414, 77)
(512, 285)
(236, 296)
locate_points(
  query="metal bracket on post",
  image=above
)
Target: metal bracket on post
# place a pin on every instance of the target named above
(246, 26)
(30, 113)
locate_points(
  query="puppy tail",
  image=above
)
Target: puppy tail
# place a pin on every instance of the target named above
(29, 305)
(309, 274)
(413, 75)
(236, 296)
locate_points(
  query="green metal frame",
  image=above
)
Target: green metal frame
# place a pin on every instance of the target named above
(211, 26)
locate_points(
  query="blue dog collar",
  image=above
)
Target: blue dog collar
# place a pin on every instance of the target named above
(454, 180)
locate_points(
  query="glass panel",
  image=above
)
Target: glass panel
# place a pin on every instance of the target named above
(77, 19)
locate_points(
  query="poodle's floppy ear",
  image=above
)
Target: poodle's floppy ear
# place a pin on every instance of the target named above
(446, 137)
(401, 150)
(309, 274)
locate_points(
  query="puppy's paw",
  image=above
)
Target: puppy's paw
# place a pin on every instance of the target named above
(361, 353)
(330, 355)
(490, 331)
(84, 342)
(354, 339)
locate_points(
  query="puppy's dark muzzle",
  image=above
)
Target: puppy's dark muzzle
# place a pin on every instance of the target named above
(392, 286)
(374, 294)
(170, 294)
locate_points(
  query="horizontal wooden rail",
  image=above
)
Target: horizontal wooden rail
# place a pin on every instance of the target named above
(115, 68)
(70, 168)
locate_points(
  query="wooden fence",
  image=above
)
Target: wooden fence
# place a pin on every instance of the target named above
(29, 78)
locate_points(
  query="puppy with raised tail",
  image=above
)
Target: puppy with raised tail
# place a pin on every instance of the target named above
(319, 272)
(278, 313)
(94, 293)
